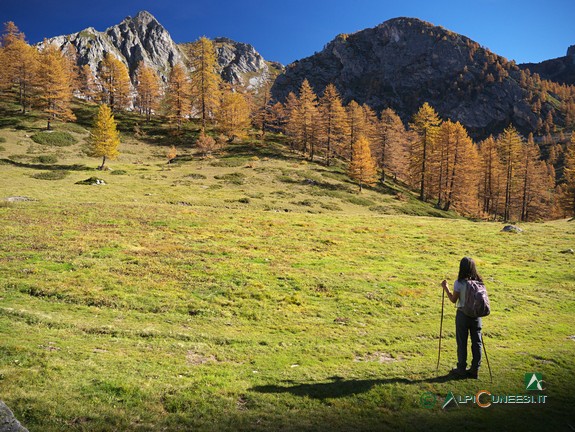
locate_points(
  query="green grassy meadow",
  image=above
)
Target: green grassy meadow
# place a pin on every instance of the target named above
(252, 291)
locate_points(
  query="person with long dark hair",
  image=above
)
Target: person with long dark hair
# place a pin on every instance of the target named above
(465, 325)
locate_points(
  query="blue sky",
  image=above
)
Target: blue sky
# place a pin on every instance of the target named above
(526, 31)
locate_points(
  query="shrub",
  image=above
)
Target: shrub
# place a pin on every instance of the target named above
(229, 163)
(2, 139)
(119, 172)
(196, 176)
(58, 139)
(47, 159)
(206, 144)
(51, 175)
(234, 178)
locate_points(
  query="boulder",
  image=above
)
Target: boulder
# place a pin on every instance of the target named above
(8, 422)
(92, 181)
(512, 228)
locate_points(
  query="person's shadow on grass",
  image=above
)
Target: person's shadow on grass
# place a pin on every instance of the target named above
(339, 387)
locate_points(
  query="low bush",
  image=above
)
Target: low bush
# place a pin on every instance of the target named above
(57, 139)
(233, 178)
(51, 175)
(47, 159)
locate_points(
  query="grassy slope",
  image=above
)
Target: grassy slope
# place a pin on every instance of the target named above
(173, 300)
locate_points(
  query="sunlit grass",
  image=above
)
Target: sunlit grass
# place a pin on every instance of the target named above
(235, 293)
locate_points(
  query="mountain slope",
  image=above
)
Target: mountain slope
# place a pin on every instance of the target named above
(560, 70)
(405, 62)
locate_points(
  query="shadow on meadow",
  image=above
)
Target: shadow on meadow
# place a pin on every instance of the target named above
(47, 167)
(339, 387)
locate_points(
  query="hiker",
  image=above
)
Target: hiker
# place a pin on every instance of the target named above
(464, 324)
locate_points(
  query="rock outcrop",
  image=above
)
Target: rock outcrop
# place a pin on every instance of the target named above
(405, 62)
(240, 63)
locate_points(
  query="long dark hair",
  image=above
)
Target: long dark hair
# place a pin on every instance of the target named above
(468, 271)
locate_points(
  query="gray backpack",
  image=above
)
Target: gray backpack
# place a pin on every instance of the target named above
(476, 301)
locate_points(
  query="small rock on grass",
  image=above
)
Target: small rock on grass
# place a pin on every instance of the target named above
(18, 199)
(512, 228)
(8, 422)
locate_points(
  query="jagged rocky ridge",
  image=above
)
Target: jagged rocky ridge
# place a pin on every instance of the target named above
(405, 62)
(143, 39)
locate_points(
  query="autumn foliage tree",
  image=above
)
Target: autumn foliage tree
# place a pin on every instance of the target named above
(177, 100)
(54, 86)
(104, 138)
(147, 89)
(332, 122)
(115, 83)
(302, 122)
(391, 146)
(509, 144)
(534, 183)
(205, 79)
(19, 66)
(569, 173)
(206, 144)
(490, 177)
(233, 114)
(362, 167)
(425, 124)
(87, 82)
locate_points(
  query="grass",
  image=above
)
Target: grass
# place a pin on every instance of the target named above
(177, 297)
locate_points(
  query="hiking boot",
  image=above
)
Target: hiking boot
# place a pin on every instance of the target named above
(471, 373)
(459, 373)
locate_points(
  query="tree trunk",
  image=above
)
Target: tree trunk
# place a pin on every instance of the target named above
(101, 167)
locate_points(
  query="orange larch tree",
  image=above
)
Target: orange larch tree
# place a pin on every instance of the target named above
(115, 81)
(53, 88)
(147, 89)
(390, 149)
(177, 100)
(333, 122)
(362, 168)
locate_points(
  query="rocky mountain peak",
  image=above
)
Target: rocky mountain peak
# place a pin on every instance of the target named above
(405, 62)
(143, 39)
(571, 51)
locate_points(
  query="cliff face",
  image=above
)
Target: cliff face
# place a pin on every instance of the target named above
(241, 64)
(144, 39)
(405, 62)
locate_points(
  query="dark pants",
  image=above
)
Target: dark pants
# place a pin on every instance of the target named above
(465, 325)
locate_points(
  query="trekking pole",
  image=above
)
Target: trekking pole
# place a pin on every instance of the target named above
(440, 328)
(486, 358)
